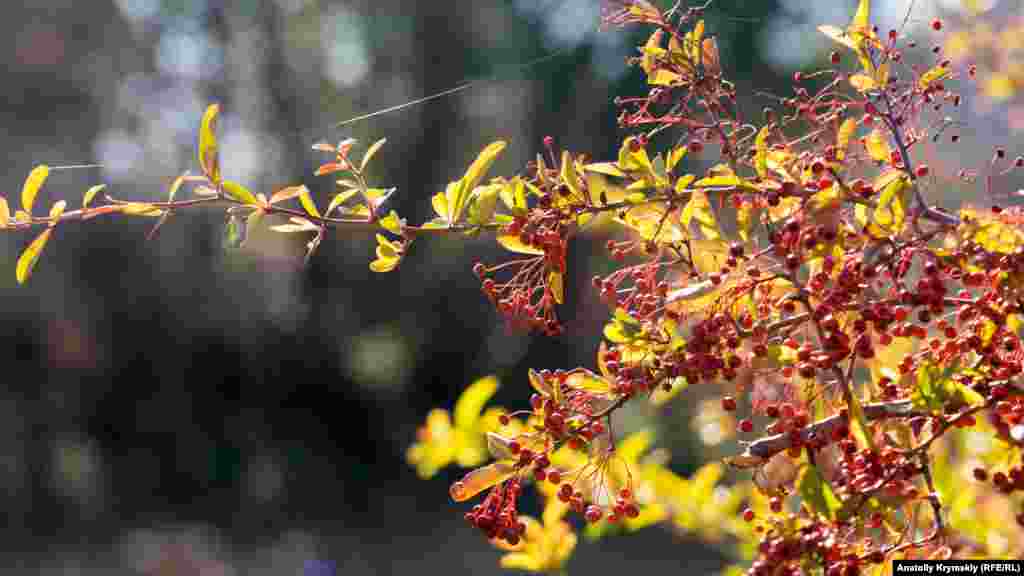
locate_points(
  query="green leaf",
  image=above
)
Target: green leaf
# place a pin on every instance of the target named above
(208, 153)
(27, 260)
(32, 185)
(471, 402)
(370, 152)
(817, 494)
(239, 192)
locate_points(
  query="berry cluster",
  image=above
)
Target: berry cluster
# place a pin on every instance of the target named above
(497, 516)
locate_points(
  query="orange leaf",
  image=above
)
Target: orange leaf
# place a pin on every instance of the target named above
(481, 479)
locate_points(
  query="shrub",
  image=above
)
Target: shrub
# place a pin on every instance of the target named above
(864, 342)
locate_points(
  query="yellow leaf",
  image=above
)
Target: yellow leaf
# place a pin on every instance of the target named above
(28, 258)
(513, 243)
(458, 192)
(677, 154)
(699, 208)
(570, 177)
(392, 223)
(877, 146)
(208, 153)
(858, 423)
(440, 204)
(55, 211)
(761, 152)
(846, 130)
(745, 220)
(384, 264)
(471, 402)
(5, 213)
(239, 192)
(92, 192)
(583, 379)
(481, 479)
(634, 161)
(861, 19)
(556, 286)
(863, 82)
(286, 194)
(370, 152)
(340, 199)
(307, 202)
(609, 168)
(934, 74)
(32, 185)
(838, 35)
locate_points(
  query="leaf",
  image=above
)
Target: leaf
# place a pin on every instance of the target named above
(208, 153)
(934, 74)
(32, 185)
(761, 152)
(5, 213)
(55, 211)
(370, 152)
(307, 202)
(392, 223)
(843, 136)
(458, 192)
(863, 82)
(861, 19)
(389, 254)
(513, 243)
(471, 402)
(817, 494)
(499, 446)
(583, 379)
(699, 208)
(569, 175)
(340, 199)
(609, 168)
(677, 154)
(858, 423)
(556, 286)
(877, 146)
(331, 168)
(483, 203)
(481, 479)
(440, 204)
(239, 192)
(838, 35)
(539, 384)
(27, 260)
(92, 192)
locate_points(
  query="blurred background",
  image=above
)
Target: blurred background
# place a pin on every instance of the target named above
(170, 408)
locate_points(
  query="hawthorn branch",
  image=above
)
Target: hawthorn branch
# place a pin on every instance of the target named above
(821, 431)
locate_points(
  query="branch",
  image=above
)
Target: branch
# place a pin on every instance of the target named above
(818, 433)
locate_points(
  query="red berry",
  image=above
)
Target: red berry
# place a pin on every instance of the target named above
(936, 24)
(921, 171)
(728, 403)
(746, 426)
(835, 57)
(593, 514)
(748, 515)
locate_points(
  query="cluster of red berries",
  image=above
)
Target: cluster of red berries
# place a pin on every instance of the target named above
(784, 551)
(865, 471)
(497, 516)
(624, 506)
